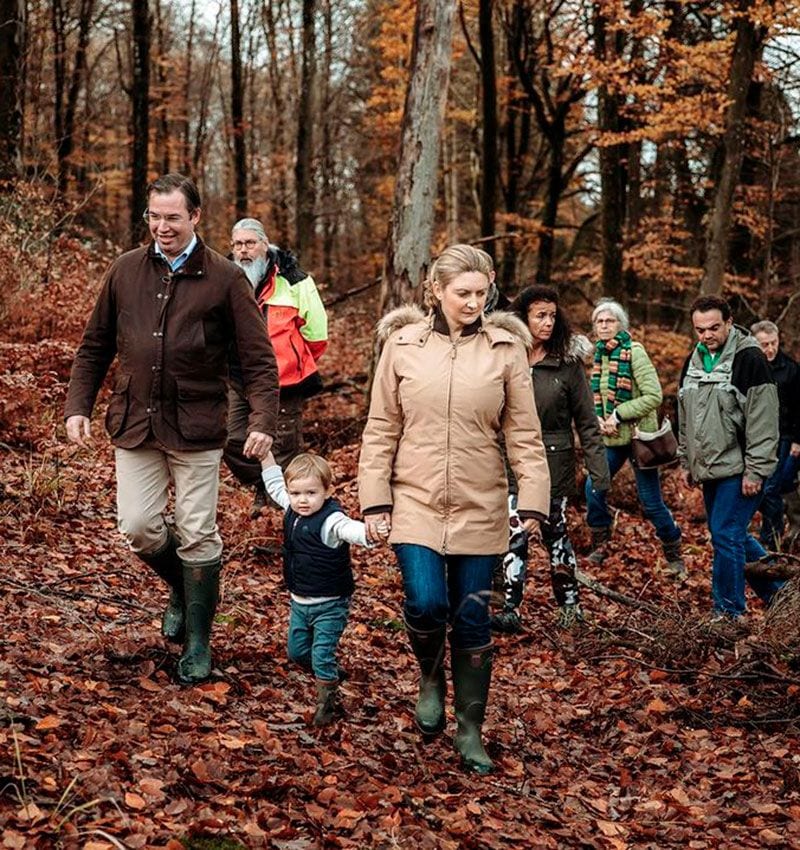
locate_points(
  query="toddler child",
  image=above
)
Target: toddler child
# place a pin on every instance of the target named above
(316, 568)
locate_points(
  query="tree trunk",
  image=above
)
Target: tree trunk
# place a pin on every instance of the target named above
(749, 39)
(303, 172)
(237, 115)
(554, 188)
(328, 169)
(408, 249)
(65, 123)
(612, 170)
(489, 124)
(186, 146)
(12, 31)
(140, 108)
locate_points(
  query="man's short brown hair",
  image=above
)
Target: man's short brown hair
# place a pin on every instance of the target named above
(185, 185)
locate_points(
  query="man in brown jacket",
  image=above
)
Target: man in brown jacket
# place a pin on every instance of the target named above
(170, 313)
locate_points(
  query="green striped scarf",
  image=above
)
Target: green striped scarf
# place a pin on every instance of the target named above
(620, 373)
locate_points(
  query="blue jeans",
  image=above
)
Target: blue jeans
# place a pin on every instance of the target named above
(729, 514)
(648, 486)
(314, 632)
(781, 481)
(447, 588)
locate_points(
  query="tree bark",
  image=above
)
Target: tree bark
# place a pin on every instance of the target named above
(140, 109)
(749, 39)
(12, 34)
(408, 250)
(303, 172)
(612, 169)
(237, 115)
(66, 112)
(489, 124)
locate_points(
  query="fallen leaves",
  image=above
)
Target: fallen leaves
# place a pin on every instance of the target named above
(596, 744)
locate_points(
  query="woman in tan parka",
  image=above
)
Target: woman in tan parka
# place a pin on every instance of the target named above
(431, 476)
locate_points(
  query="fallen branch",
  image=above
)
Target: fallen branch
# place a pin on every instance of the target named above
(781, 568)
(356, 290)
(601, 590)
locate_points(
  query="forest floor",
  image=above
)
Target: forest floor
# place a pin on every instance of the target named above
(642, 728)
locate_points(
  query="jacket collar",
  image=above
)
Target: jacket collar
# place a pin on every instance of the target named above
(194, 265)
(440, 325)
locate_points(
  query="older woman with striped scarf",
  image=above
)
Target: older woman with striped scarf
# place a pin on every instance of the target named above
(627, 395)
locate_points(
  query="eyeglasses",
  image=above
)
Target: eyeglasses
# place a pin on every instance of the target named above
(155, 218)
(247, 243)
(606, 321)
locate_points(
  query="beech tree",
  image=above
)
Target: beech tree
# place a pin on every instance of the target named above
(140, 115)
(408, 249)
(237, 114)
(749, 37)
(304, 176)
(12, 17)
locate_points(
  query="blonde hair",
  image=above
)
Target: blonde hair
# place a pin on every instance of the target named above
(453, 261)
(306, 465)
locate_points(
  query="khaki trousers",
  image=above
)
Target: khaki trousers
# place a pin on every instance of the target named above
(143, 477)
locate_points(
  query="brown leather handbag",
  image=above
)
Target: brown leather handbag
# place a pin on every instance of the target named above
(652, 449)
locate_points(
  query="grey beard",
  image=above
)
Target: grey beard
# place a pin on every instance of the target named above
(254, 269)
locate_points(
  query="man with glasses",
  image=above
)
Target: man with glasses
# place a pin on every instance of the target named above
(298, 328)
(170, 313)
(786, 375)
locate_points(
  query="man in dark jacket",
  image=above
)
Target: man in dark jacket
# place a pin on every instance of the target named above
(728, 443)
(170, 312)
(786, 375)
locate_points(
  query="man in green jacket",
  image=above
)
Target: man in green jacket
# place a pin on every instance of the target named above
(728, 442)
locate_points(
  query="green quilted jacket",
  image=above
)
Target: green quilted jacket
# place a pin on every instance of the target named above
(642, 409)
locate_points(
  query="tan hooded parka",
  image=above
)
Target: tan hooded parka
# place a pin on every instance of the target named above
(431, 447)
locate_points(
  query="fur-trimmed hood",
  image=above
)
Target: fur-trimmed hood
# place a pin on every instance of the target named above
(494, 324)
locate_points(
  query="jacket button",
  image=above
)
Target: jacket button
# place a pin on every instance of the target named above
(155, 333)
(159, 295)
(160, 333)
(148, 410)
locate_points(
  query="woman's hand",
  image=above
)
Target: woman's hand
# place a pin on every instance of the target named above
(611, 426)
(530, 525)
(378, 526)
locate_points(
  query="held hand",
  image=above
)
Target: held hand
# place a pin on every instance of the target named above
(268, 460)
(688, 481)
(378, 526)
(257, 445)
(79, 430)
(530, 525)
(794, 451)
(612, 426)
(750, 488)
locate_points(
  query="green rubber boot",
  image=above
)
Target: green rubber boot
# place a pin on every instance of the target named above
(428, 647)
(472, 673)
(327, 693)
(201, 592)
(166, 564)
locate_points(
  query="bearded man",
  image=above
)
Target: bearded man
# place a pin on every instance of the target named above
(297, 325)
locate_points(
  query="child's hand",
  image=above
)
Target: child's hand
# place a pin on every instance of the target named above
(268, 460)
(378, 526)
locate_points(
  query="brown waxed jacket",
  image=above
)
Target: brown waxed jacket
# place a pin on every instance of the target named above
(430, 449)
(172, 333)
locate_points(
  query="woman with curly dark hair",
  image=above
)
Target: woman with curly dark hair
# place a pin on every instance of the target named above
(563, 399)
